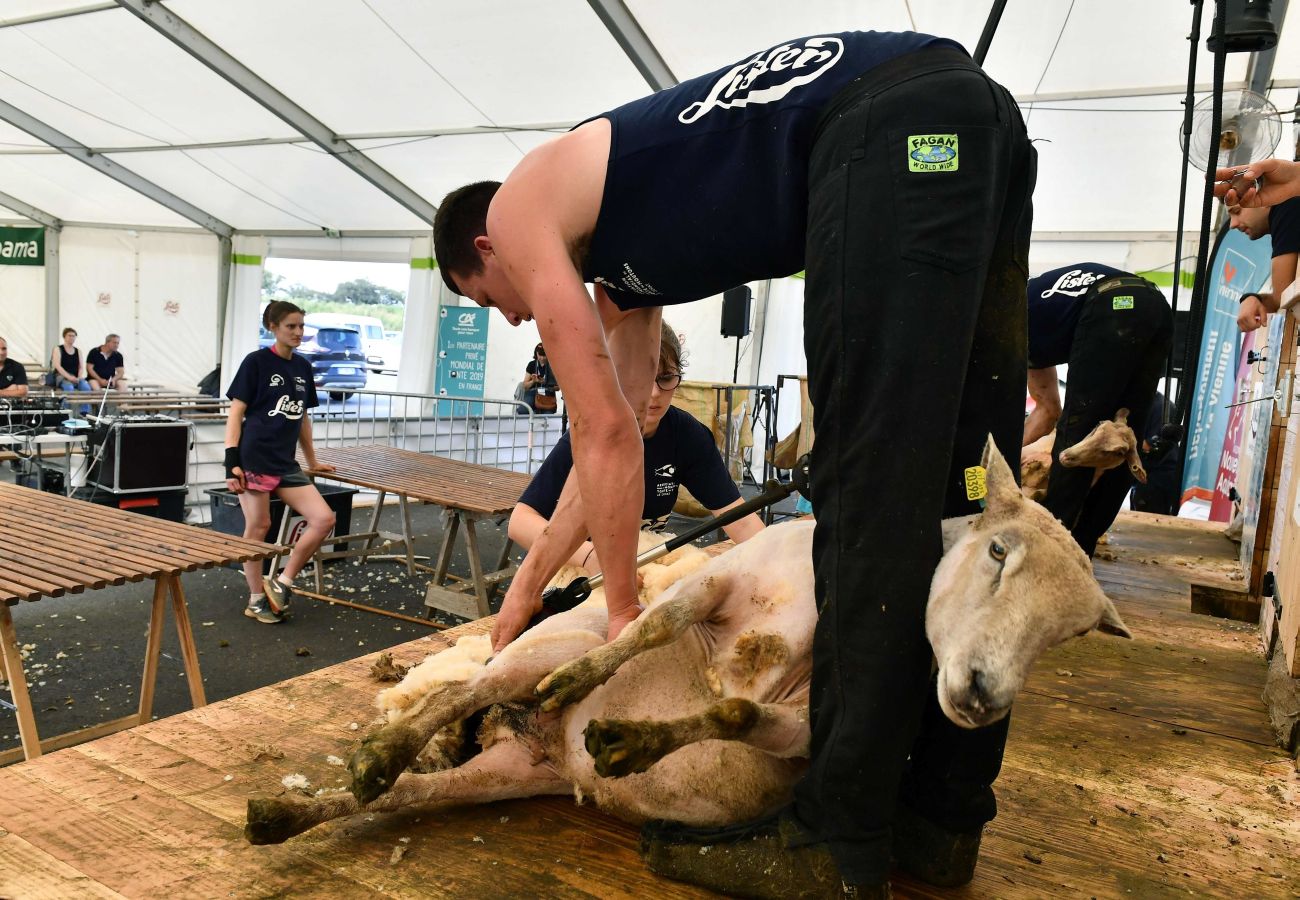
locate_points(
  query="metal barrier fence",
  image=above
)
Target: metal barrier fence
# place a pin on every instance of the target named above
(502, 433)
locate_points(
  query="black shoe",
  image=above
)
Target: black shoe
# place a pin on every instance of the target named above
(933, 854)
(753, 860)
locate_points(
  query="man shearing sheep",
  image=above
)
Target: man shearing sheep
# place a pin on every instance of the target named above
(898, 175)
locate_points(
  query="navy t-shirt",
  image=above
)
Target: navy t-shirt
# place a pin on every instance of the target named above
(1284, 228)
(11, 373)
(680, 452)
(104, 366)
(716, 168)
(278, 392)
(1055, 301)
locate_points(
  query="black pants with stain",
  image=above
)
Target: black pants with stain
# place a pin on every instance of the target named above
(1116, 361)
(915, 337)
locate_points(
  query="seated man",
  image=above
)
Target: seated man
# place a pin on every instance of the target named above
(1115, 330)
(678, 450)
(105, 367)
(13, 376)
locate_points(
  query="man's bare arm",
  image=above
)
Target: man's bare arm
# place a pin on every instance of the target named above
(1043, 387)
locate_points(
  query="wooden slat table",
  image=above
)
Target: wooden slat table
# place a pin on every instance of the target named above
(468, 493)
(43, 559)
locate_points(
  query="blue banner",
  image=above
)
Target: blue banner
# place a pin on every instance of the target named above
(1237, 266)
(462, 359)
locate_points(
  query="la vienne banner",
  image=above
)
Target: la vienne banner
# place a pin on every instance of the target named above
(1237, 266)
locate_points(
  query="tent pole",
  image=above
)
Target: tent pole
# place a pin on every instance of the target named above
(990, 27)
(225, 255)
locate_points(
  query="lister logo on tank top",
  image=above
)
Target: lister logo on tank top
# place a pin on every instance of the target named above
(768, 76)
(1073, 283)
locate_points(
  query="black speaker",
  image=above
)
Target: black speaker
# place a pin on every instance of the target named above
(1248, 26)
(735, 311)
(135, 455)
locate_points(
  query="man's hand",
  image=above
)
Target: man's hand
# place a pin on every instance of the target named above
(517, 609)
(1236, 185)
(1252, 314)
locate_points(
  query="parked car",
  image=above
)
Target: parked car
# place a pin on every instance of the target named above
(338, 362)
(371, 331)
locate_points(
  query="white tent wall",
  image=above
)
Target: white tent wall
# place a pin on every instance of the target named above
(22, 312)
(155, 289)
(243, 304)
(424, 293)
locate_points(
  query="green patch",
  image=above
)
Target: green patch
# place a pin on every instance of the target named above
(1125, 302)
(932, 153)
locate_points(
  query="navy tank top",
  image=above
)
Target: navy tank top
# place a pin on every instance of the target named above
(707, 182)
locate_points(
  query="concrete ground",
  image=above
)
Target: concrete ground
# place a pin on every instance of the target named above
(84, 653)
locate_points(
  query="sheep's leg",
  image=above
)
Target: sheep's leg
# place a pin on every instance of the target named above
(387, 753)
(503, 771)
(622, 746)
(662, 624)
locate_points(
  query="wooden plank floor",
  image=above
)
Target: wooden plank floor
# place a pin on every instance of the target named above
(1134, 769)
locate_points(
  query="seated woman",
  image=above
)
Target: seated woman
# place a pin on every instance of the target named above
(678, 451)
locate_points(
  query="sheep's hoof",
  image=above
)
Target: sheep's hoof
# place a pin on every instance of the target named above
(381, 758)
(275, 820)
(568, 684)
(620, 747)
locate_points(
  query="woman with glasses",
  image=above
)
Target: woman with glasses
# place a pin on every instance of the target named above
(678, 451)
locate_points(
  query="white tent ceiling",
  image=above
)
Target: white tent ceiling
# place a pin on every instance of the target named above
(393, 77)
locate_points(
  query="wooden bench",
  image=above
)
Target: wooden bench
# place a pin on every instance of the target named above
(468, 493)
(42, 558)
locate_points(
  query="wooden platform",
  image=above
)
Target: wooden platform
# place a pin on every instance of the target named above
(1135, 770)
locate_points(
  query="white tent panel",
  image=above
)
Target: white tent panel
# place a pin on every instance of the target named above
(176, 343)
(22, 9)
(97, 289)
(1094, 168)
(157, 290)
(107, 79)
(10, 215)
(434, 167)
(478, 64)
(360, 249)
(22, 312)
(73, 191)
(270, 187)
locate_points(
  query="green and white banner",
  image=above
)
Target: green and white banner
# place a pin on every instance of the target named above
(22, 246)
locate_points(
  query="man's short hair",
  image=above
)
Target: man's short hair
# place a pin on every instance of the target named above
(461, 218)
(111, 336)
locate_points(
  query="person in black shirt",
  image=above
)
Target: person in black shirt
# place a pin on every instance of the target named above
(771, 165)
(105, 367)
(13, 375)
(539, 383)
(678, 451)
(1115, 330)
(269, 399)
(1282, 222)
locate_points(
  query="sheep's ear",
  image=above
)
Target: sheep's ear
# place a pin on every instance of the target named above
(1111, 623)
(1003, 492)
(1121, 417)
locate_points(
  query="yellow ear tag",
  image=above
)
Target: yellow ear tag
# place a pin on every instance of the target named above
(977, 487)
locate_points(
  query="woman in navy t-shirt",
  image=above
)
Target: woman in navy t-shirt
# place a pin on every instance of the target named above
(678, 451)
(269, 399)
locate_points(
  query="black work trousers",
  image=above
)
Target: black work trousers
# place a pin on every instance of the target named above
(915, 336)
(1116, 360)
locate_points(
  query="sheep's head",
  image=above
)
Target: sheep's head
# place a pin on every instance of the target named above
(1108, 445)
(1013, 585)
